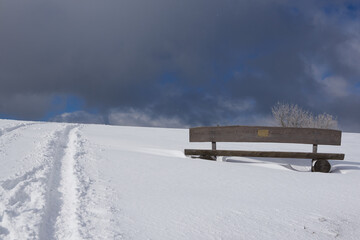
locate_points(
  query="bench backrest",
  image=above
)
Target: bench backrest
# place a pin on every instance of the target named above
(265, 134)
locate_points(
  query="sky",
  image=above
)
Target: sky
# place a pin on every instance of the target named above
(170, 63)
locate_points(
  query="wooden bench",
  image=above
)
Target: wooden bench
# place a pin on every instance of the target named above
(312, 136)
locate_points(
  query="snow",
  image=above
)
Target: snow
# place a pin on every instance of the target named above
(79, 181)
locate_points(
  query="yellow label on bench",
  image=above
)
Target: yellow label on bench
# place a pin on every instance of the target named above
(263, 133)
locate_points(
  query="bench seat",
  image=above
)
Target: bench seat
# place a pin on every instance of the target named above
(235, 153)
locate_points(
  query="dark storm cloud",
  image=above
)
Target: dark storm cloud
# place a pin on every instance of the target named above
(189, 62)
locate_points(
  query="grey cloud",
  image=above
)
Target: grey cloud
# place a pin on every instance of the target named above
(132, 117)
(118, 55)
(28, 104)
(79, 117)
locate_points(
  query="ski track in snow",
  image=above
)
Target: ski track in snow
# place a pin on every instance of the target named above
(83, 214)
(10, 133)
(22, 197)
(5, 130)
(69, 196)
(56, 195)
(53, 199)
(42, 203)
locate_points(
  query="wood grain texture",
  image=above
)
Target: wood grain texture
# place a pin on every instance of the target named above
(301, 155)
(265, 134)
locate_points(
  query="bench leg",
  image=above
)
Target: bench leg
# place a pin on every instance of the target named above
(314, 150)
(312, 165)
(213, 147)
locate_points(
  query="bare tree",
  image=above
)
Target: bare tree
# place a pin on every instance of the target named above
(291, 115)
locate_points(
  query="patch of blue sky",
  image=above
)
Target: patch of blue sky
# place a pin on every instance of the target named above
(356, 88)
(326, 74)
(173, 79)
(348, 10)
(222, 76)
(263, 49)
(8, 116)
(294, 11)
(353, 6)
(242, 65)
(195, 90)
(64, 104)
(331, 9)
(225, 74)
(168, 77)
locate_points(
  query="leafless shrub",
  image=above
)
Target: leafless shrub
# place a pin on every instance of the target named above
(291, 115)
(325, 121)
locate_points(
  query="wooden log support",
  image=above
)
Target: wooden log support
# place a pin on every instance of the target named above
(322, 166)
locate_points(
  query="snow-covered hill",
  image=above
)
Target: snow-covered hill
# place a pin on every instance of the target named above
(70, 181)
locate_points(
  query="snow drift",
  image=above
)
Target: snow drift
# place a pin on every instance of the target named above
(72, 181)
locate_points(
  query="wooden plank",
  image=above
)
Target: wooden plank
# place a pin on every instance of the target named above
(265, 134)
(304, 155)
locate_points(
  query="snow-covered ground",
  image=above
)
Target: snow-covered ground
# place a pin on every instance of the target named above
(70, 181)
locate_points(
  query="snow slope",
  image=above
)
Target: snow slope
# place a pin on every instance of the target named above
(71, 181)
